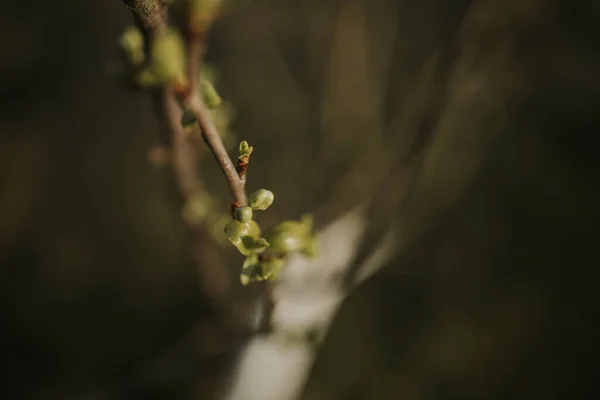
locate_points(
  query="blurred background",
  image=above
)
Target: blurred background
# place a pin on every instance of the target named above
(466, 125)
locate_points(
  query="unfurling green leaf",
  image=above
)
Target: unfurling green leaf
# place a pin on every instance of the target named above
(243, 214)
(261, 199)
(245, 150)
(250, 245)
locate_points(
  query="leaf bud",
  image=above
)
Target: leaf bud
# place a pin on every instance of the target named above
(235, 230)
(209, 94)
(243, 214)
(261, 199)
(169, 58)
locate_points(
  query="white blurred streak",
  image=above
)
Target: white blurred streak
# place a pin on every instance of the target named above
(307, 296)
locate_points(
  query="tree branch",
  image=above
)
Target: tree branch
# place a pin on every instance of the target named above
(196, 41)
(213, 139)
(183, 156)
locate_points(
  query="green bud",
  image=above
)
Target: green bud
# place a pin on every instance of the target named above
(261, 199)
(292, 236)
(235, 230)
(255, 231)
(132, 44)
(197, 208)
(286, 237)
(251, 270)
(169, 57)
(245, 150)
(209, 94)
(270, 269)
(254, 270)
(243, 214)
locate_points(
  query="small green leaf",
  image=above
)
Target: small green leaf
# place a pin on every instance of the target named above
(250, 245)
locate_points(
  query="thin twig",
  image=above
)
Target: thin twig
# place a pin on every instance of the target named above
(213, 139)
(195, 52)
(242, 168)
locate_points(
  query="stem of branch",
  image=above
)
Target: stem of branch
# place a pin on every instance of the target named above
(213, 139)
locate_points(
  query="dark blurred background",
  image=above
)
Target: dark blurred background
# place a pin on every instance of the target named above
(468, 125)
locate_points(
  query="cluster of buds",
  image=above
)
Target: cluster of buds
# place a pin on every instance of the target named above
(266, 251)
